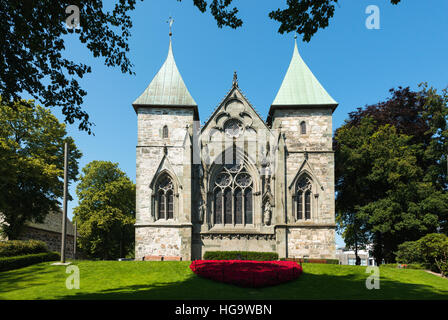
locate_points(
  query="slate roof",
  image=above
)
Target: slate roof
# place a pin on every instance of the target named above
(167, 88)
(300, 86)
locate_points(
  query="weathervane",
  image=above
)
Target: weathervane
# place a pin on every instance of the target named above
(170, 21)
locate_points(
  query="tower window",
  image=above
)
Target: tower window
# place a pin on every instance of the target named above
(303, 127)
(165, 132)
(302, 198)
(165, 199)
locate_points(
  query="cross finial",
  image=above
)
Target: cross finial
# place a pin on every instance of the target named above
(235, 79)
(170, 21)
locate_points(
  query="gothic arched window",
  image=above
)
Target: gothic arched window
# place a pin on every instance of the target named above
(302, 198)
(232, 196)
(165, 132)
(165, 198)
(302, 127)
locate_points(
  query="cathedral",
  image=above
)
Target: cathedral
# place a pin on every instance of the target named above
(235, 182)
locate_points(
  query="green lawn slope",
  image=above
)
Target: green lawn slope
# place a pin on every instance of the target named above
(174, 280)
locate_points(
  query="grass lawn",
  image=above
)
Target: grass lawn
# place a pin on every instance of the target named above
(174, 280)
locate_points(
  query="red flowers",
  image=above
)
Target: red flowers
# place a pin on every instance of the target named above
(247, 273)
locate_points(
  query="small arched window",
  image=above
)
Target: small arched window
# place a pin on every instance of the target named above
(165, 132)
(302, 127)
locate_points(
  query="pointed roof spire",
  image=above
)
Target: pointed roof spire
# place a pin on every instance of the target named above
(300, 86)
(167, 88)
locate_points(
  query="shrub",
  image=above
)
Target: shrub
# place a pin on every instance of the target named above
(9, 263)
(308, 260)
(12, 248)
(430, 251)
(408, 253)
(434, 250)
(240, 255)
(247, 273)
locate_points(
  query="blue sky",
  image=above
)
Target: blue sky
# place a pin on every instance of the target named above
(357, 66)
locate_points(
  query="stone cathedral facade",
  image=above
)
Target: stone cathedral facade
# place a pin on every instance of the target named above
(236, 182)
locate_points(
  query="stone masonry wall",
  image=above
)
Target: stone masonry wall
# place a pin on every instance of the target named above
(150, 151)
(318, 121)
(311, 243)
(169, 237)
(241, 244)
(322, 165)
(313, 238)
(52, 239)
(161, 241)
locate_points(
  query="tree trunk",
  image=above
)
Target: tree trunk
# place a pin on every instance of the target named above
(358, 260)
(377, 249)
(121, 246)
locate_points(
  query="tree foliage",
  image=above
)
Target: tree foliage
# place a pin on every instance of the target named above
(430, 250)
(391, 171)
(305, 17)
(31, 164)
(32, 46)
(106, 211)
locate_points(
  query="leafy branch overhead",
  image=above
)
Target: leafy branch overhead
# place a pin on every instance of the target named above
(305, 17)
(32, 44)
(35, 61)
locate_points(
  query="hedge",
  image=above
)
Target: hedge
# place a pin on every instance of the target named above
(9, 263)
(240, 255)
(12, 248)
(307, 260)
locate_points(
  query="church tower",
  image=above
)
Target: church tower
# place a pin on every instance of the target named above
(302, 114)
(165, 112)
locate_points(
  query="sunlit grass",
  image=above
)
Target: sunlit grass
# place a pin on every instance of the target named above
(174, 280)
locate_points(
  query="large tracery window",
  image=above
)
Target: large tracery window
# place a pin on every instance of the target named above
(232, 196)
(303, 198)
(165, 198)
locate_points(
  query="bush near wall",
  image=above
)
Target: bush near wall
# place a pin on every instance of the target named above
(240, 255)
(307, 260)
(9, 263)
(430, 251)
(11, 248)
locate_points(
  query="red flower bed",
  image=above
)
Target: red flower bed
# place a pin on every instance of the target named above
(247, 273)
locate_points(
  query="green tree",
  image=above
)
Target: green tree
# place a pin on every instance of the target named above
(34, 59)
(31, 164)
(106, 211)
(391, 171)
(430, 250)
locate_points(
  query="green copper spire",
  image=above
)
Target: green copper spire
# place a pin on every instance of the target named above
(300, 86)
(167, 88)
